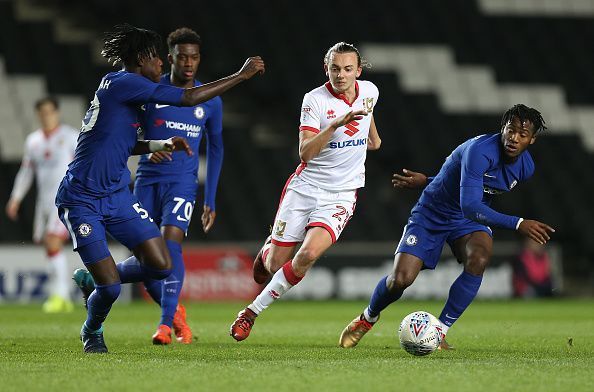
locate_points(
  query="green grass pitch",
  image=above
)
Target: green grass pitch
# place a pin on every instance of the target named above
(500, 346)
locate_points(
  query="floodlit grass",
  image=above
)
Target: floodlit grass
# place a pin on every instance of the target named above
(500, 346)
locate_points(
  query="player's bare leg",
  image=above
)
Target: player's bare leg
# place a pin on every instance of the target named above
(389, 289)
(474, 252)
(317, 241)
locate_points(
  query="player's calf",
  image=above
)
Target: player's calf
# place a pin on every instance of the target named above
(261, 274)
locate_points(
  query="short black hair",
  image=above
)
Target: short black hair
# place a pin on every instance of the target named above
(183, 35)
(129, 45)
(524, 113)
(343, 47)
(49, 99)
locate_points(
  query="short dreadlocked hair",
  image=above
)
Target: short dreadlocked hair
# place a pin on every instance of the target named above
(524, 113)
(127, 44)
(183, 35)
(343, 47)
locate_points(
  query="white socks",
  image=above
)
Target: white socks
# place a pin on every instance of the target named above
(281, 282)
(59, 269)
(368, 317)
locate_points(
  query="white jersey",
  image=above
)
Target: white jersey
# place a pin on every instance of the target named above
(340, 165)
(47, 159)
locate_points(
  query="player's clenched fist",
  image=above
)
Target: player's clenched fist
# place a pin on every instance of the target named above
(252, 66)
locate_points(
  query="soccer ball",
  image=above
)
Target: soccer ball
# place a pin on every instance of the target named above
(420, 333)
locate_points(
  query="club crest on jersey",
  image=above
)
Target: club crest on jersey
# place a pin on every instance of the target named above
(84, 230)
(280, 227)
(368, 105)
(199, 112)
(411, 240)
(330, 114)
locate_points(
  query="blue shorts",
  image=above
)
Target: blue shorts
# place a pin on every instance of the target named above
(424, 239)
(171, 204)
(119, 214)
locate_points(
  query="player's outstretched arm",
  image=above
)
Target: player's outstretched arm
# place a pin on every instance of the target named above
(195, 95)
(311, 143)
(535, 230)
(175, 143)
(409, 180)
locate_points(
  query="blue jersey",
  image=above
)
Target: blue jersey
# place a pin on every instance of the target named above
(164, 121)
(464, 187)
(109, 132)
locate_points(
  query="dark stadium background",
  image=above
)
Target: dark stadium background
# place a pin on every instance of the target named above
(261, 116)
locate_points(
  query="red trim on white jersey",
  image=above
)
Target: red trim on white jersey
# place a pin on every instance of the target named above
(342, 96)
(282, 243)
(300, 168)
(324, 226)
(308, 128)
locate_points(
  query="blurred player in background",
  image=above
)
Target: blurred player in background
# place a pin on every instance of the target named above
(455, 208)
(337, 129)
(94, 198)
(166, 184)
(48, 151)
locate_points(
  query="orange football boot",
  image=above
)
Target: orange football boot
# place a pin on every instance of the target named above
(180, 327)
(163, 335)
(242, 326)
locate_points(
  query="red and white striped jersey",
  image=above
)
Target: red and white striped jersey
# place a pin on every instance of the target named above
(341, 163)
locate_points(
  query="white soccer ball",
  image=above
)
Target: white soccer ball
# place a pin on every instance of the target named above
(420, 333)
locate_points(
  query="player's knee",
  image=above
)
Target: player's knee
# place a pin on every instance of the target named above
(158, 273)
(400, 281)
(477, 261)
(307, 255)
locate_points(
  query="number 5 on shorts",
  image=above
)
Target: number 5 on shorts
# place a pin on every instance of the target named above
(142, 212)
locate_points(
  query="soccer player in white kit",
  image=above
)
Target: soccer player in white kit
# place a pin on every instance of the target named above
(336, 130)
(48, 151)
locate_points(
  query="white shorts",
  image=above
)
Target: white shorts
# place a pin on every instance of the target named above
(47, 221)
(303, 205)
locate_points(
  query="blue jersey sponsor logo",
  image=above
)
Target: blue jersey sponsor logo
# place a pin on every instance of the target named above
(348, 143)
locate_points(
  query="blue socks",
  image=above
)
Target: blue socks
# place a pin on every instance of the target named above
(99, 304)
(381, 298)
(166, 292)
(131, 270)
(462, 292)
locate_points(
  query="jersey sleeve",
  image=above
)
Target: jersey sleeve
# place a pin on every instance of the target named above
(310, 114)
(214, 152)
(214, 122)
(137, 89)
(24, 177)
(473, 166)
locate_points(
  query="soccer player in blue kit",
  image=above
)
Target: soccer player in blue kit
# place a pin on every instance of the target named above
(94, 197)
(454, 208)
(166, 184)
